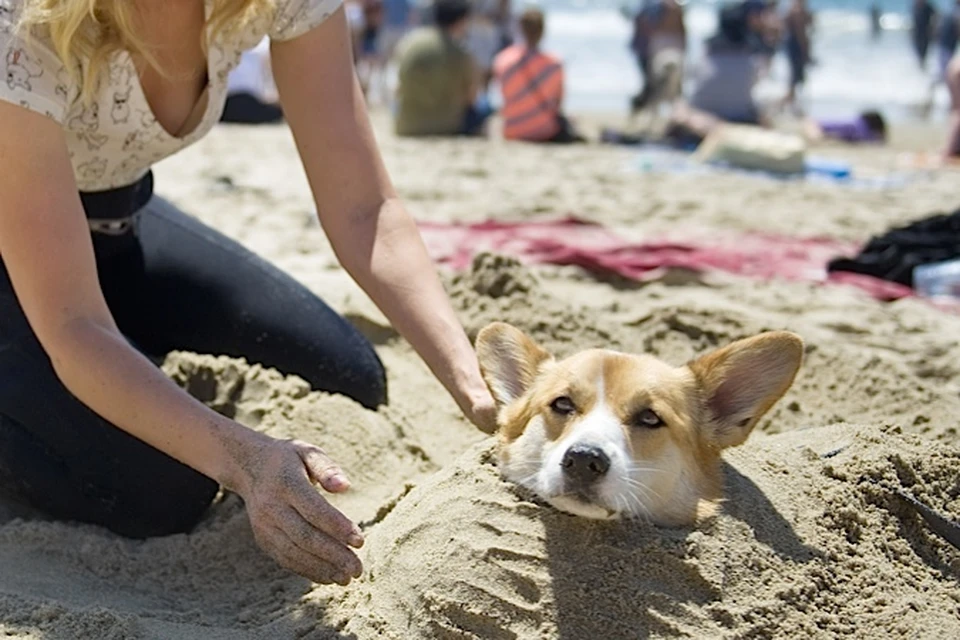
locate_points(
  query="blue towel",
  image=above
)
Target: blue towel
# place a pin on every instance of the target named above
(818, 170)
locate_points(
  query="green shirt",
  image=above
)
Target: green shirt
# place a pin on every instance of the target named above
(436, 75)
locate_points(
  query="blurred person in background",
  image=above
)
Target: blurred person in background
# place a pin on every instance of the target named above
(639, 40)
(354, 12)
(251, 94)
(531, 82)
(876, 26)
(438, 79)
(370, 61)
(924, 16)
(505, 23)
(948, 34)
(659, 29)
(398, 19)
(765, 30)
(798, 25)
(725, 78)
(484, 38)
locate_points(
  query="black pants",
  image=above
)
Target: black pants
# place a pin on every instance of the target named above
(172, 283)
(244, 108)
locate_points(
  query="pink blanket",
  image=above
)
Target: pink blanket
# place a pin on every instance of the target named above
(572, 241)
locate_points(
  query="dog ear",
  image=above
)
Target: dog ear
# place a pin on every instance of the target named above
(742, 381)
(509, 361)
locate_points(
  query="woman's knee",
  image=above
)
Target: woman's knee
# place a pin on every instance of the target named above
(362, 379)
(175, 505)
(372, 391)
(131, 489)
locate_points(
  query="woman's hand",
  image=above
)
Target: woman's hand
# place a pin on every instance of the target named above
(291, 521)
(481, 410)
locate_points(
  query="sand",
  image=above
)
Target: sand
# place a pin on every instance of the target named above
(812, 541)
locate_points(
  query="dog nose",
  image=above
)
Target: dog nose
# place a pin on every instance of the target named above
(585, 464)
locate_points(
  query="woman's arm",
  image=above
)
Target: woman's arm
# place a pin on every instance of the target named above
(374, 238)
(46, 246)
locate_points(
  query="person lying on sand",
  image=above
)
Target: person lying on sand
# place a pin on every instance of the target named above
(93, 286)
(866, 127)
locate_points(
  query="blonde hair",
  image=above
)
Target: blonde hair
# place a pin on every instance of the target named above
(90, 31)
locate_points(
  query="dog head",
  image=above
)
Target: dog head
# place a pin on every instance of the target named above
(604, 434)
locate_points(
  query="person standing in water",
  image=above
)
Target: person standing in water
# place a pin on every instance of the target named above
(948, 34)
(798, 24)
(876, 26)
(923, 18)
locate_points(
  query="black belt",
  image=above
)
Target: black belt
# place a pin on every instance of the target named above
(113, 212)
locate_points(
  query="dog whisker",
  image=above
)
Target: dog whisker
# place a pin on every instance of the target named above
(641, 511)
(634, 468)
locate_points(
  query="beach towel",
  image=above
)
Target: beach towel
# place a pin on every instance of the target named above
(818, 170)
(573, 241)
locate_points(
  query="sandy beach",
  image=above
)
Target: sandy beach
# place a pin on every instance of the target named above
(812, 541)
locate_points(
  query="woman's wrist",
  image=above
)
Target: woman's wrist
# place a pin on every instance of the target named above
(237, 448)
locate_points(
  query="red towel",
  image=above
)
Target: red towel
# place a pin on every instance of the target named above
(572, 241)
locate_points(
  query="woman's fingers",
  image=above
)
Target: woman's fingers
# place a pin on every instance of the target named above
(293, 558)
(322, 469)
(319, 544)
(322, 515)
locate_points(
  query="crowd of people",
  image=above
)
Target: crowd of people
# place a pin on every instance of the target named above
(942, 29)
(444, 75)
(450, 54)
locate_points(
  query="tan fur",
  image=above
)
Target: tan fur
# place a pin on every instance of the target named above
(670, 474)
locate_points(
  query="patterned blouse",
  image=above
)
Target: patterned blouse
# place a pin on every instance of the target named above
(115, 139)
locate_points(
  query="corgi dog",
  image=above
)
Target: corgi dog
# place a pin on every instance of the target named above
(604, 434)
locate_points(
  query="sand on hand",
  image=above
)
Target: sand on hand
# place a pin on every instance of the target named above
(812, 540)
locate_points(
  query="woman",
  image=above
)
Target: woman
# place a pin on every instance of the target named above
(90, 428)
(726, 76)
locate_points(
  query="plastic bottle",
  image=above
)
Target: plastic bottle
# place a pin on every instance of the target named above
(938, 279)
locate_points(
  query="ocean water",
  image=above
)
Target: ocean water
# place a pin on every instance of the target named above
(853, 71)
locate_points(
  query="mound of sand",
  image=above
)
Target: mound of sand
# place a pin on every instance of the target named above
(813, 539)
(70, 581)
(806, 546)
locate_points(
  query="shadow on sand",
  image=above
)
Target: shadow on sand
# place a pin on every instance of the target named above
(633, 580)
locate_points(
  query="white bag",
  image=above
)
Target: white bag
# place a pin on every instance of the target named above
(751, 147)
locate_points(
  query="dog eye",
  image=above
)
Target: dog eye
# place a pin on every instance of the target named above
(563, 405)
(648, 419)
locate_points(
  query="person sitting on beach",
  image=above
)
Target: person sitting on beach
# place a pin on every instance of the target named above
(531, 82)
(723, 81)
(251, 94)
(438, 80)
(725, 78)
(100, 277)
(664, 37)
